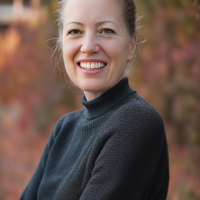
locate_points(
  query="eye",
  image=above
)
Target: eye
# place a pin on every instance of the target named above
(74, 32)
(107, 31)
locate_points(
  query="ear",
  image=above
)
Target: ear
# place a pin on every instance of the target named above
(132, 47)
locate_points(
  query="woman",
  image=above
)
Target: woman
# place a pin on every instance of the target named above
(116, 147)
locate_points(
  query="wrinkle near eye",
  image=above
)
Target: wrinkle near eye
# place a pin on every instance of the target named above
(65, 39)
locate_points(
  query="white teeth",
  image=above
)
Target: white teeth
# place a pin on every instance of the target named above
(91, 65)
(88, 66)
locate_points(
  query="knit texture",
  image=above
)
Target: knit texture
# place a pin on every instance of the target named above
(113, 149)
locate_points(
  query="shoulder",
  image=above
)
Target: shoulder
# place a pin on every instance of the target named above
(136, 126)
(138, 109)
(136, 116)
(68, 120)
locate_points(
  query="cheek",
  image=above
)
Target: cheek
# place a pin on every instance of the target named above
(70, 50)
(117, 53)
(68, 57)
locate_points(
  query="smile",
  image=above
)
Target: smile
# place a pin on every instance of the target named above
(92, 65)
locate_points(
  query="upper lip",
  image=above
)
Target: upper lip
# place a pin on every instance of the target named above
(91, 60)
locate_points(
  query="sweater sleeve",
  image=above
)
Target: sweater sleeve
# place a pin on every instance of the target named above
(30, 192)
(133, 162)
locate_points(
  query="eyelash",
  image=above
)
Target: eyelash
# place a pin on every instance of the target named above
(70, 32)
(101, 31)
(111, 31)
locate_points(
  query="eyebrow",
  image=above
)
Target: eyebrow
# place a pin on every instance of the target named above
(74, 23)
(99, 23)
(103, 22)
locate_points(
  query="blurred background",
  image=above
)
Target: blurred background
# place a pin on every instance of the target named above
(32, 97)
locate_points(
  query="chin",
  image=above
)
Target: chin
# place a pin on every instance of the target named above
(92, 86)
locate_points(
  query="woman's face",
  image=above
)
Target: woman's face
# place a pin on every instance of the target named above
(96, 45)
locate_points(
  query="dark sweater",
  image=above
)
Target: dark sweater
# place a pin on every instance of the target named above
(113, 149)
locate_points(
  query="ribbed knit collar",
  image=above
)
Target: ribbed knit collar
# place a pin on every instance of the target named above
(107, 100)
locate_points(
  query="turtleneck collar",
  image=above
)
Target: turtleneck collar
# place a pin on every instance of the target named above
(107, 100)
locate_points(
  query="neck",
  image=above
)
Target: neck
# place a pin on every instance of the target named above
(91, 95)
(107, 100)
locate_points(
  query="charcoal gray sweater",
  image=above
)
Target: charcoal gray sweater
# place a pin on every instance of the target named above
(113, 149)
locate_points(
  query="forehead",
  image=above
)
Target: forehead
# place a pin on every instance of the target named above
(92, 10)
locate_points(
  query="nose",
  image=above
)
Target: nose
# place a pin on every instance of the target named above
(89, 44)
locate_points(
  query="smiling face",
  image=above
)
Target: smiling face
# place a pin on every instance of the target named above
(96, 45)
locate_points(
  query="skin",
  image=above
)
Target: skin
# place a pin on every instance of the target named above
(92, 30)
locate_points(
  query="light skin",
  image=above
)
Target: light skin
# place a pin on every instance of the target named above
(95, 31)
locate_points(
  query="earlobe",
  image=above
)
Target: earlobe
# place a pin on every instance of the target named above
(132, 47)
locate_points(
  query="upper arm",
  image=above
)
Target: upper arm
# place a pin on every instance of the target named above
(31, 189)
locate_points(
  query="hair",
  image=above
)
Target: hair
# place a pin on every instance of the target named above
(129, 14)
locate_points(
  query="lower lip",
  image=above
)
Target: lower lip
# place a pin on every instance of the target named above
(92, 71)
